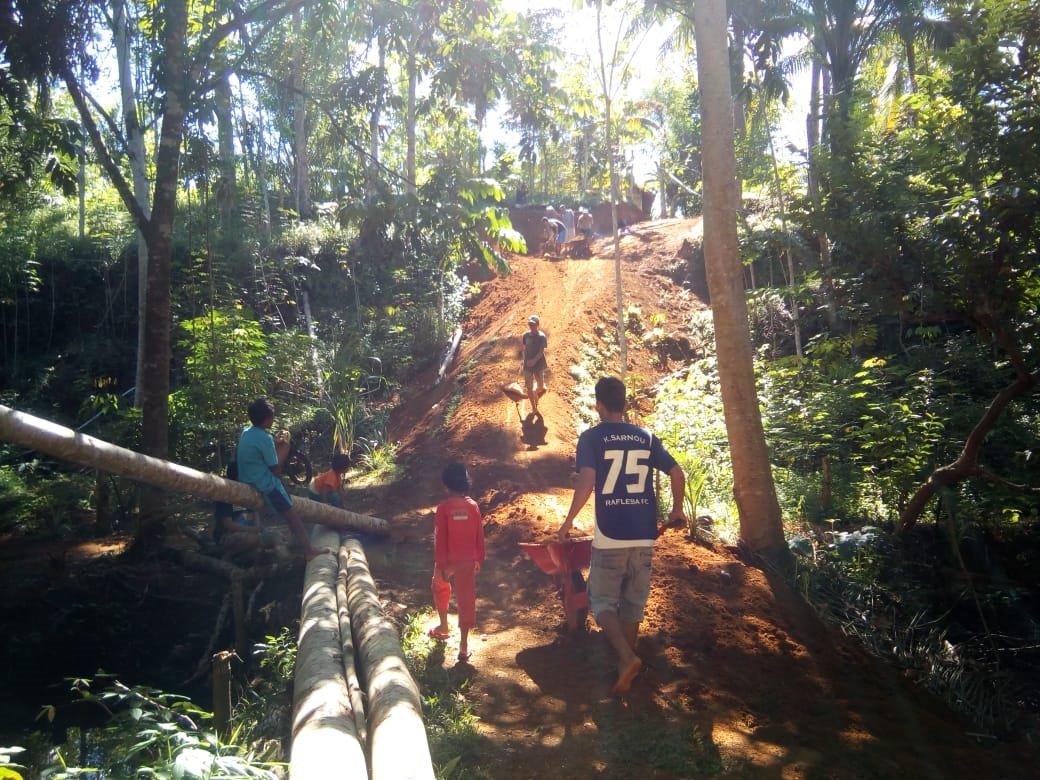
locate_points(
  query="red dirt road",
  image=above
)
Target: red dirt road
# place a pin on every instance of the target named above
(740, 678)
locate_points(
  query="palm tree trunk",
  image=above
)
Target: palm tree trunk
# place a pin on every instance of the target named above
(760, 522)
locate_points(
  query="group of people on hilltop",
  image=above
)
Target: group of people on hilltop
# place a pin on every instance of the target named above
(563, 224)
(614, 462)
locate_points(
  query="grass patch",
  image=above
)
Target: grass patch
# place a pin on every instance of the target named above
(451, 725)
(680, 750)
(450, 408)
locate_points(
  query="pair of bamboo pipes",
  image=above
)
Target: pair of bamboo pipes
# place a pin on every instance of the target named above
(346, 642)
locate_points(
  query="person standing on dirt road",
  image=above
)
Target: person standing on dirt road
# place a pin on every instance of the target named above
(584, 224)
(567, 217)
(614, 460)
(533, 354)
(458, 552)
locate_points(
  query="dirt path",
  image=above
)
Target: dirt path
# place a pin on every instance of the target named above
(741, 680)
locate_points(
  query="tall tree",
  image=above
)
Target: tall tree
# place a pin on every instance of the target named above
(183, 73)
(761, 528)
(133, 131)
(618, 41)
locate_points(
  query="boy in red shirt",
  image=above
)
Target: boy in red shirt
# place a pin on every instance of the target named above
(458, 544)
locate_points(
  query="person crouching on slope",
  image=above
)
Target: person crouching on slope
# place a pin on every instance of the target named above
(458, 544)
(327, 487)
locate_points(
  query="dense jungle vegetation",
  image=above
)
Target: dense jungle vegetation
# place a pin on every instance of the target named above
(206, 202)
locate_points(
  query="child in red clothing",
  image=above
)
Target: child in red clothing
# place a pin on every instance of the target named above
(458, 544)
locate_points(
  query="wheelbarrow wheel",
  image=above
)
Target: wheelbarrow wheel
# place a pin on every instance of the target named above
(578, 582)
(583, 620)
(581, 615)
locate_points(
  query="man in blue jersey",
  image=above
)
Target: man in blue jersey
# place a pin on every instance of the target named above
(615, 459)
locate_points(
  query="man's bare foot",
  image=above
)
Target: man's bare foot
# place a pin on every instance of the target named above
(627, 675)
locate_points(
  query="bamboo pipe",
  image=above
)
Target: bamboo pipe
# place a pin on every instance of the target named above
(64, 443)
(350, 659)
(398, 748)
(325, 743)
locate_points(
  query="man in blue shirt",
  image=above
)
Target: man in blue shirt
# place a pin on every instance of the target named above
(616, 459)
(259, 463)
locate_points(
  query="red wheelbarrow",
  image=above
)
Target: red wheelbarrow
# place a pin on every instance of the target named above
(564, 561)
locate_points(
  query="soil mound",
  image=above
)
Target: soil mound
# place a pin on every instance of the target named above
(740, 678)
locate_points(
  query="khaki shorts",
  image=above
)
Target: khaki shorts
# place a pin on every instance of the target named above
(619, 582)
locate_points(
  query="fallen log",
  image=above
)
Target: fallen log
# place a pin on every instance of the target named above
(325, 742)
(64, 443)
(398, 748)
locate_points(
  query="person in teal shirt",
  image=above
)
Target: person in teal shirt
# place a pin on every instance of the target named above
(259, 464)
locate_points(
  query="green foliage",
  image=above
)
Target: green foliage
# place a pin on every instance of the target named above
(226, 364)
(878, 425)
(37, 499)
(17, 502)
(676, 108)
(151, 734)
(688, 418)
(379, 461)
(451, 724)
(278, 655)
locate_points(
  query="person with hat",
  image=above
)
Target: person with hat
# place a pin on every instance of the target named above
(533, 354)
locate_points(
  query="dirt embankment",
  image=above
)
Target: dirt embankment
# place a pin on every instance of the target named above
(740, 677)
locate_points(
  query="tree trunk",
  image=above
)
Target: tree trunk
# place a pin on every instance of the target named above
(138, 172)
(397, 738)
(154, 387)
(760, 522)
(64, 443)
(81, 185)
(221, 687)
(373, 124)
(300, 134)
(102, 512)
(615, 195)
(355, 692)
(261, 182)
(619, 292)
(409, 165)
(227, 189)
(325, 743)
(812, 136)
(736, 58)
